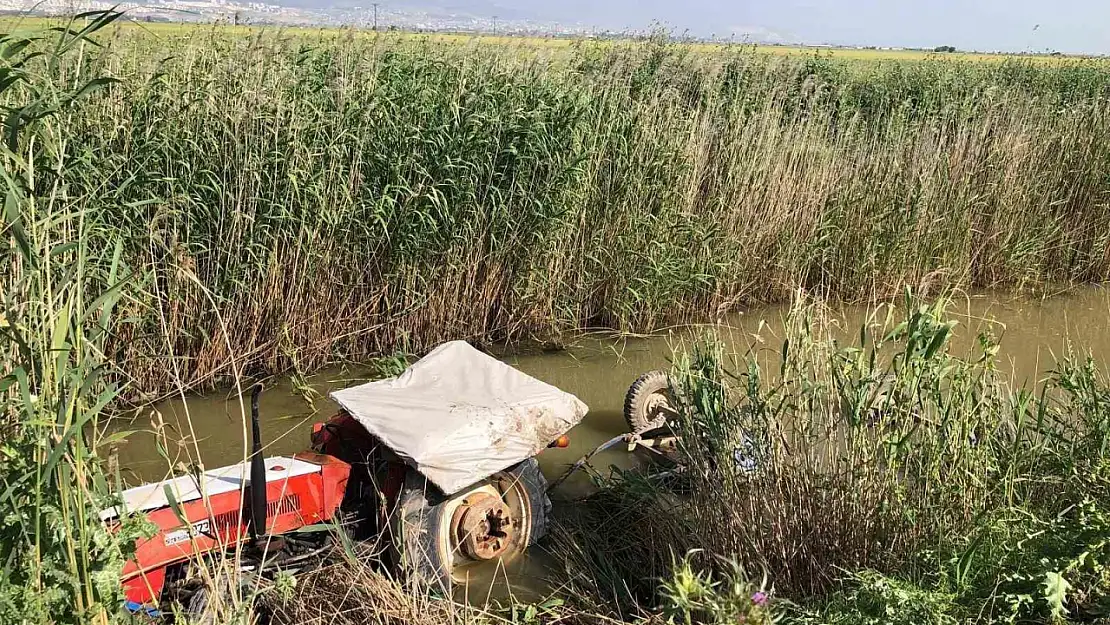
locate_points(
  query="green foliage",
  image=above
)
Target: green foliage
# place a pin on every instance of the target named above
(58, 562)
(534, 613)
(694, 595)
(872, 598)
(285, 585)
(887, 481)
(390, 366)
(312, 198)
(1056, 594)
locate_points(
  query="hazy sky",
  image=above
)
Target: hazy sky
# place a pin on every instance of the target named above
(1014, 25)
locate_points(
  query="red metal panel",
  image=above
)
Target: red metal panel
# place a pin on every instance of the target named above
(145, 588)
(334, 473)
(221, 522)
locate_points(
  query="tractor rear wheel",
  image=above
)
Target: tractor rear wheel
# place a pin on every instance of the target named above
(441, 538)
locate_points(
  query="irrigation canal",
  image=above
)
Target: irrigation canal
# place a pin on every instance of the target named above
(599, 370)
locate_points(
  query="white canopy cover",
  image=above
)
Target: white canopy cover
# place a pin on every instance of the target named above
(459, 416)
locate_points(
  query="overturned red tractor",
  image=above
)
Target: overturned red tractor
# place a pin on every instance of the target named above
(440, 460)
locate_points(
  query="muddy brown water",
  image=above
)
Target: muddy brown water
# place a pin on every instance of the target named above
(598, 370)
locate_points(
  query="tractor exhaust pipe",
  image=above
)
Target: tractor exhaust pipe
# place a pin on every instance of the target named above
(258, 472)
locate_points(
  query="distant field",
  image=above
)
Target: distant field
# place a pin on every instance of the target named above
(842, 53)
(906, 55)
(11, 22)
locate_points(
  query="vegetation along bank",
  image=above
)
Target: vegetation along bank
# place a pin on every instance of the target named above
(292, 198)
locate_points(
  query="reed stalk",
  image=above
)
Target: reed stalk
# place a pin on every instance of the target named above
(343, 195)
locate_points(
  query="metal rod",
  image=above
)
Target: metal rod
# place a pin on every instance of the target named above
(258, 471)
(586, 459)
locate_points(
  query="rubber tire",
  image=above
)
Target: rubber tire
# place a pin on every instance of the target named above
(196, 610)
(635, 401)
(419, 512)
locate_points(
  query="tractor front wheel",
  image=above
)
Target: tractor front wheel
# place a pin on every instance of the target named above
(648, 404)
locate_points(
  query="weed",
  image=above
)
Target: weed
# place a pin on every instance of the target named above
(890, 482)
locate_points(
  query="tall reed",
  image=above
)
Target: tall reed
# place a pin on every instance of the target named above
(341, 195)
(62, 284)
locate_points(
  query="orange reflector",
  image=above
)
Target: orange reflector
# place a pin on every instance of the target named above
(316, 427)
(562, 442)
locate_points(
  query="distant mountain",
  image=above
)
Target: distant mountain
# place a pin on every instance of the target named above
(699, 17)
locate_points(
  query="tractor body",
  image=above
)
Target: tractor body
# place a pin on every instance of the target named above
(211, 513)
(442, 457)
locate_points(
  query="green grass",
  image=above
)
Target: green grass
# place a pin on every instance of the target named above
(309, 198)
(58, 562)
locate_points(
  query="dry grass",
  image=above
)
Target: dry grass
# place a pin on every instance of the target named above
(350, 593)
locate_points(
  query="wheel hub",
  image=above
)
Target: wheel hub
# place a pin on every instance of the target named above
(483, 526)
(655, 404)
(658, 409)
